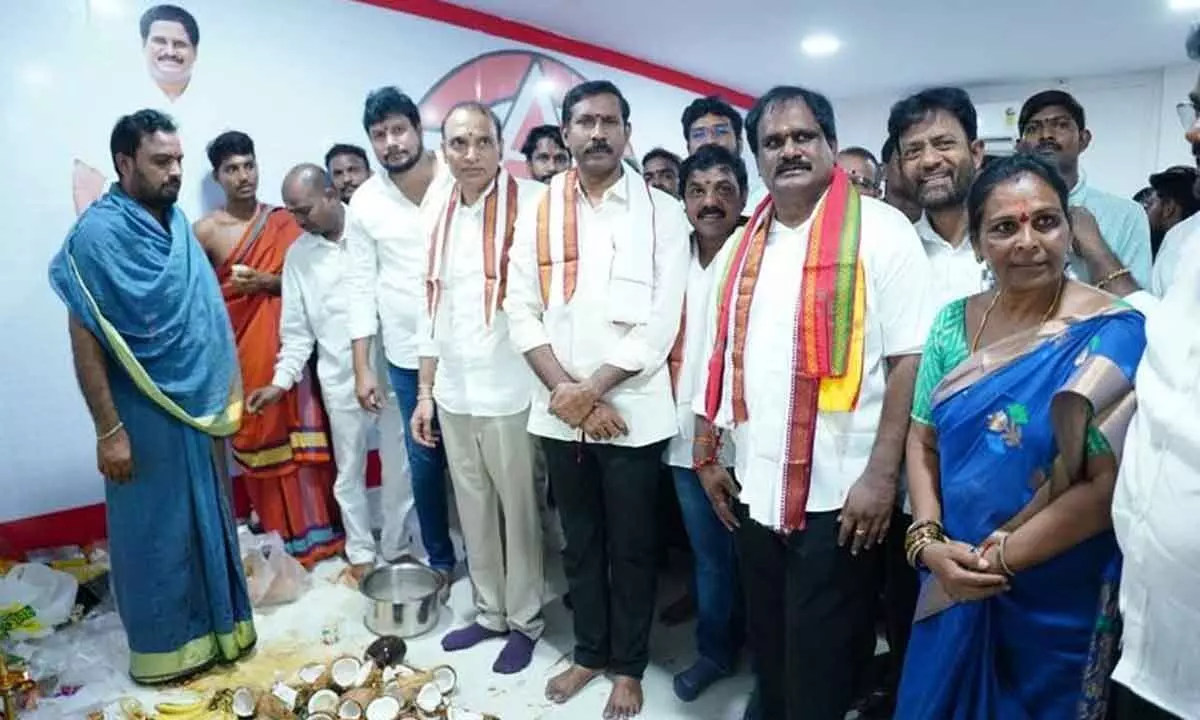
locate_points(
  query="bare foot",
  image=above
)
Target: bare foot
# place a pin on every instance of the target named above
(625, 701)
(564, 686)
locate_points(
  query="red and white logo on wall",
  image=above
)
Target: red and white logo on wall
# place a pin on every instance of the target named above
(524, 88)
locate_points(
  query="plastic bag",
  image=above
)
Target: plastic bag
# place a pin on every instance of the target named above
(272, 576)
(34, 599)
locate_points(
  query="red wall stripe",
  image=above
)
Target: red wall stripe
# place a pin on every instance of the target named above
(520, 32)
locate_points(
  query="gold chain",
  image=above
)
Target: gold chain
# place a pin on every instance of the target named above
(988, 312)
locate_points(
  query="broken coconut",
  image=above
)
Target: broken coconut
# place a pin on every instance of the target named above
(271, 707)
(368, 675)
(445, 678)
(361, 696)
(387, 651)
(384, 708)
(344, 672)
(350, 710)
(325, 701)
(244, 703)
(315, 677)
(429, 699)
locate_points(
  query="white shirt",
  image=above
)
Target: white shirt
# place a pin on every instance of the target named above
(1171, 252)
(1157, 503)
(693, 369)
(899, 313)
(315, 312)
(956, 271)
(479, 372)
(387, 240)
(581, 334)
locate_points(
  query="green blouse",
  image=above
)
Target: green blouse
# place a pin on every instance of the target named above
(945, 348)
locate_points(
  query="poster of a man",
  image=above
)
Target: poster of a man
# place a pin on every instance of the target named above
(170, 38)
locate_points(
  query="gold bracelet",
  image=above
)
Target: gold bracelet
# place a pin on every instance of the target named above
(1112, 276)
(1004, 568)
(106, 435)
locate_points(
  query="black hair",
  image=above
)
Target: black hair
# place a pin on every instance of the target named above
(1193, 43)
(711, 105)
(170, 13)
(708, 157)
(1003, 169)
(916, 108)
(228, 144)
(537, 134)
(888, 150)
(389, 101)
(482, 110)
(662, 154)
(1177, 184)
(817, 103)
(1051, 98)
(127, 134)
(1141, 196)
(588, 89)
(346, 149)
(863, 153)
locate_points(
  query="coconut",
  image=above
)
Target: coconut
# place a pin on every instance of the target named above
(429, 699)
(271, 707)
(323, 701)
(315, 677)
(387, 651)
(445, 678)
(344, 672)
(287, 694)
(361, 696)
(350, 710)
(384, 708)
(244, 702)
(368, 675)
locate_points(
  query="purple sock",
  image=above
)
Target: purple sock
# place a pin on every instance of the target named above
(516, 655)
(469, 636)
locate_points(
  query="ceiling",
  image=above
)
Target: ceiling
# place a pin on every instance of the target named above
(887, 45)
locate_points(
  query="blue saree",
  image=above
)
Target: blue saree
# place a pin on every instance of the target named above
(151, 299)
(1015, 423)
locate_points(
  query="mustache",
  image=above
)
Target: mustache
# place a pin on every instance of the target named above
(171, 56)
(599, 146)
(789, 165)
(711, 211)
(1048, 145)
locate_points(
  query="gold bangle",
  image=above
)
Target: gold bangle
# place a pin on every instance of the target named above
(1112, 276)
(106, 435)
(1004, 568)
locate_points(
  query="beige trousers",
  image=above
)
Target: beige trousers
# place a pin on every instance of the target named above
(491, 467)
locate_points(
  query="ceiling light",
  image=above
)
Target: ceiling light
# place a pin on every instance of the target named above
(820, 45)
(1182, 5)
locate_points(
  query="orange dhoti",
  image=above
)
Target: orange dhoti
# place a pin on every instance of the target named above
(284, 450)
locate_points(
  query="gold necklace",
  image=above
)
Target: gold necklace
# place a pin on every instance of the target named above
(988, 312)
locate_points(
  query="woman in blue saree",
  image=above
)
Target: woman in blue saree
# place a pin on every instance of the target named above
(1018, 416)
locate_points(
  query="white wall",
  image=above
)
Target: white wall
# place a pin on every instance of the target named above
(291, 73)
(1132, 118)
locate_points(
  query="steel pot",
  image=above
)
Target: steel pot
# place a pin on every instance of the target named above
(402, 599)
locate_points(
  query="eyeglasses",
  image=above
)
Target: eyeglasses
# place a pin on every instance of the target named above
(710, 134)
(864, 183)
(1188, 113)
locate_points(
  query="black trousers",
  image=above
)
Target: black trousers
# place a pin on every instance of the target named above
(809, 608)
(607, 502)
(1130, 706)
(900, 586)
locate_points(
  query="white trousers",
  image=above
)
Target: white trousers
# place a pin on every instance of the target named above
(351, 428)
(491, 467)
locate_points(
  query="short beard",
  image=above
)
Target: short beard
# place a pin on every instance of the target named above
(956, 198)
(401, 168)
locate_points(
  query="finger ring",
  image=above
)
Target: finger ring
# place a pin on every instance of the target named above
(860, 531)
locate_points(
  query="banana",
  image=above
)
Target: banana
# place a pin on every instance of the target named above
(178, 709)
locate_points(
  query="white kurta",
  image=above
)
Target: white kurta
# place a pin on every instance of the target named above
(899, 312)
(1157, 503)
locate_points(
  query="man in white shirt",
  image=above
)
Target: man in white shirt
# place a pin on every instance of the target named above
(714, 195)
(348, 167)
(386, 238)
(481, 387)
(940, 152)
(314, 316)
(817, 409)
(596, 285)
(896, 191)
(660, 169)
(1157, 500)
